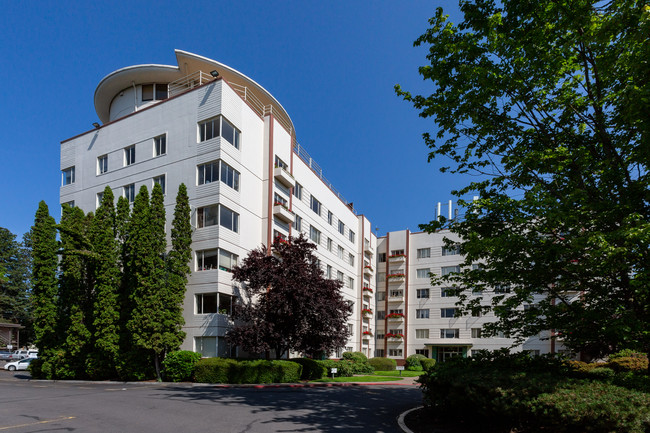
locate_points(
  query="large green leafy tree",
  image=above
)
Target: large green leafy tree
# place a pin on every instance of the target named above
(289, 304)
(15, 273)
(550, 103)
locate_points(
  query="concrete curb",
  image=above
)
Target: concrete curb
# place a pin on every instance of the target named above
(400, 419)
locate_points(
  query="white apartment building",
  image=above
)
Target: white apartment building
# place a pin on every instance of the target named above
(204, 124)
(414, 317)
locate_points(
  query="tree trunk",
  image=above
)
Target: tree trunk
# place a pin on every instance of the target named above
(156, 362)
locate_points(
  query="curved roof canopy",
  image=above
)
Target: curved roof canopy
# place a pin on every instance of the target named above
(188, 63)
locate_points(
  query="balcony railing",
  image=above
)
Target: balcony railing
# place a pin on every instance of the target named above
(284, 177)
(283, 213)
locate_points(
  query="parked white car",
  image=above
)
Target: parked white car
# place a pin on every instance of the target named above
(21, 354)
(19, 365)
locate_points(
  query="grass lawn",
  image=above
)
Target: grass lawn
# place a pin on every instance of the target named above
(358, 379)
(393, 373)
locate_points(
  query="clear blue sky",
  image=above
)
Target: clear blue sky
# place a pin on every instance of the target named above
(332, 65)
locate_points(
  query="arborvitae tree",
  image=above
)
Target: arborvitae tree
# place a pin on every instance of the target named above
(75, 294)
(15, 274)
(178, 268)
(106, 309)
(44, 282)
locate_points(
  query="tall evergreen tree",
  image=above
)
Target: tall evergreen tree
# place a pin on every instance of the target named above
(44, 281)
(106, 308)
(178, 269)
(15, 273)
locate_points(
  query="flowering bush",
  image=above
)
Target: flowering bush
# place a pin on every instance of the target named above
(395, 316)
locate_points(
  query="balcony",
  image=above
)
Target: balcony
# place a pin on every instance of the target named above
(395, 317)
(367, 292)
(366, 248)
(282, 213)
(367, 335)
(284, 177)
(396, 278)
(396, 298)
(395, 338)
(397, 258)
(367, 270)
(366, 313)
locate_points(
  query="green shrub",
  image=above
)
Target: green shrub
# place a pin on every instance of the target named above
(592, 407)
(627, 353)
(262, 371)
(629, 363)
(344, 367)
(427, 363)
(413, 362)
(602, 374)
(383, 364)
(311, 369)
(359, 362)
(179, 366)
(213, 370)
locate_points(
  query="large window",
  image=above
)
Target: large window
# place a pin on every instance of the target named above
(476, 333)
(209, 172)
(424, 253)
(394, 352)
(102, 164)
(228, 218)
(160, 145)
(129, 155)
(206, 346)
(315, 205)
(422, 313)
(156, 91)
(422, 293)
(423, 352)
(446, 292)
(421, 333)
(129, 192)
(449, 333)
(216, 258)
(381, 257)
(446, 270)
(207, 216)
(210, 303)
(219, 126)
(314, 235)
(451, 251)
(448, 312)
(67, 176)
(160, 180)
(423, 273)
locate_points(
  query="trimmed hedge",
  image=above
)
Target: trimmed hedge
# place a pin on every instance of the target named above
(344, 367)
(359, 362)
(629, 363)
(222, 370)
(427, 363)
(179, 366)
(383, 364)
(311, 369)
(413, 362)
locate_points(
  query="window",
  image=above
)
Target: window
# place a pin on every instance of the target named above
(208, 173)
(160, 180)
(423, 352)
(158, 90)
(315, 205)
(341, 252)
(502, 288)
(350, 331)
(396, 252)
(100, 197)
(206, 303)
(229, 176)
(351, 236)
(394, 352)
(451, 251)
(380, 353)
(228, 218)
(424, 253)
(207, 216)
(206, 346)
(129, 155)
(381, 277)
(422, 313)
(395, 293)
(278, 235)
(280, 163)
(330, 217)
(381, 258)
(329, 244)
(351, 282)
(297, 223)
(219, 127)
(329, 272)
(283, 189)
(421, 333)
(160, 145)
(129, 192)
(351, 258)
(227, 260)
(446, 270)
(422, 293)
(476, 332)
(448, 312)
(68, 203)
(423, 273)
(395, 331)
(297, 191)
(339, 276)
(449, 333)
(102, 164)
(207, 260)
(381, 315)
(67, 176)
(314, 235)
(446, 292)
(380, 337)
(396, 311)
(477, 313)
(381, 296)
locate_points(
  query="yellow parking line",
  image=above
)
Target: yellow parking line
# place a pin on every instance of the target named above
(38, 422)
